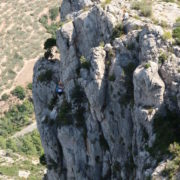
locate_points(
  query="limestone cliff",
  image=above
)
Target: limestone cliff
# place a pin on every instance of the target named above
(119, 74)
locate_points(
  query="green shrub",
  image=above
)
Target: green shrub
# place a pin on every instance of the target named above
(54, 12)
(167, 35)
(45, 76)
(176, 35)
(48, 54)
(78, 95)
(42, 159)
(19, 92)
(5, 97)
(112, 77)
(144, 6)
(117, 31)
(29, 86)
(147, 65)
(173, 165)
(11, 144)
(84, 63)
(162, 58)
(49, 43)
(64, 116)
(52, 102)
(44, 20)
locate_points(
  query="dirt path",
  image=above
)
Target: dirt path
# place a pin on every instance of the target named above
(24, 76)
(26, 130)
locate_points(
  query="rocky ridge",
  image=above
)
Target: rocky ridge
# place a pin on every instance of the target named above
(116, 83)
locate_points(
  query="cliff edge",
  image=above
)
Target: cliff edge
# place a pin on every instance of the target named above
(121, 96)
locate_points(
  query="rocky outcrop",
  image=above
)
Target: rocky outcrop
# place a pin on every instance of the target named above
(114, 86)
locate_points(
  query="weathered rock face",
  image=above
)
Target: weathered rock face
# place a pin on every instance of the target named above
(113, 87)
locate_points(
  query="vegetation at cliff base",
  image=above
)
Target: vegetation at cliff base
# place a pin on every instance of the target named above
(54, 12)
(15, 118)
(19, 92)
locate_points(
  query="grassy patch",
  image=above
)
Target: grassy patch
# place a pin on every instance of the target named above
(103, 4)
(144, 6)
(167, 35)
(9, 170)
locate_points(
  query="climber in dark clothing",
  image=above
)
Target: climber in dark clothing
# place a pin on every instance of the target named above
(59, 88)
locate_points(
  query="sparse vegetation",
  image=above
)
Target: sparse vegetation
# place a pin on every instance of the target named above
(45, 76)
(101, 44)
(19, 92)
(29, 86)
(147, 65)
(162, 58)
(117, 31)
(5, 97)
(167, 132)
(54, 12)
(78, 96)
(112, 78)
(167, 35)
(128, 97)
(64, 116)
(144, 6)
(84, 63)
(103, 4)
(176, 33)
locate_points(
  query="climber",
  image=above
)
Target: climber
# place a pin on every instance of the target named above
(59, 88)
